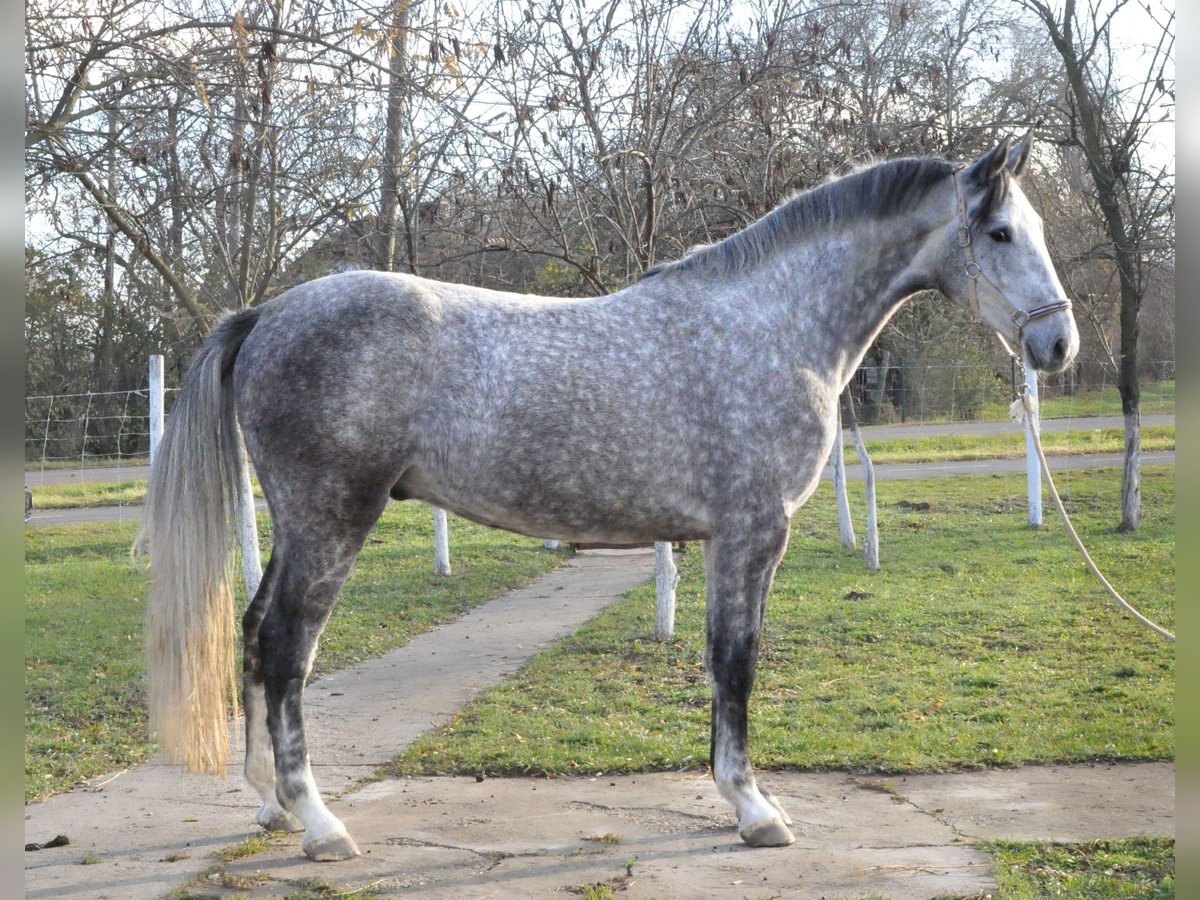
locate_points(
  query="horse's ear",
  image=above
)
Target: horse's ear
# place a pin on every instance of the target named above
(988, 167)
(1019, 155)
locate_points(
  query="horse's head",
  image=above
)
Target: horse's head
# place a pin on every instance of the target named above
(997, 262)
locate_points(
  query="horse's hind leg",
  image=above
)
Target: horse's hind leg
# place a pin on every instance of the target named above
(314, 564)
(739, 564)
(260, 758)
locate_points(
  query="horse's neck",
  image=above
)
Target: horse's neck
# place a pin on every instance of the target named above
(844, 287)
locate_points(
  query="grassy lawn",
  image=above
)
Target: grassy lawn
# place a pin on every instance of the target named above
(1156, 397)
(85, 601)
(951, 447)
(981, 642)
(89, 493)
(943, 448)
(1142, 867)
(76, 495)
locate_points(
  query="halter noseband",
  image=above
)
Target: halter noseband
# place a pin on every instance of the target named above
(1020, 317)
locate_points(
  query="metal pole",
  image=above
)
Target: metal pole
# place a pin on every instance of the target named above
(1032, 469)
(157, 417)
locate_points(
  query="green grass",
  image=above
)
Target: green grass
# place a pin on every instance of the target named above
(1140, 867)
(250, 846)
(83, 494)
(981, 642)
(946, 448)
(1156, 397)
(84, 607)
(89, 493)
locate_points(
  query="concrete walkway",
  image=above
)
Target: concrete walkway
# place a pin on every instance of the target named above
(149, 831)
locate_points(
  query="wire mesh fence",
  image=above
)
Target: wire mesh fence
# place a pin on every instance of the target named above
(96, 428)
(974, 393)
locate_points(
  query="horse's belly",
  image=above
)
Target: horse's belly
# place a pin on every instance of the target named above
(560, 511)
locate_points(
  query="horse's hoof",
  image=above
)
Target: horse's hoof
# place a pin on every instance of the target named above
(333, 847)
(768, 833)
(272, 818)
(787, 820)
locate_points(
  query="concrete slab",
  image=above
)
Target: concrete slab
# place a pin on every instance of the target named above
(671, 834)
(661, 835)
(1051, 803)
(145, 831)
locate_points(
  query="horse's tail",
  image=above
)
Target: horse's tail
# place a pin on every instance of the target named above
(187, 532)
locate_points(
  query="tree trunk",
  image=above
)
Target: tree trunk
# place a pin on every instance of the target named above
(397, 115)
(1130, 390)
(1131, 481)
(105, 351)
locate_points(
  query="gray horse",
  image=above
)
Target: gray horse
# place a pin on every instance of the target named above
(696, 404)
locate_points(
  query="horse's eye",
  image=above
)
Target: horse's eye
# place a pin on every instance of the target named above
(1001, 235)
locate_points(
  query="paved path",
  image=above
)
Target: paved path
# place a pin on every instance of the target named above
(150, 830)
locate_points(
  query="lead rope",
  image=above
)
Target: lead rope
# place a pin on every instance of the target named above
(1027, 403)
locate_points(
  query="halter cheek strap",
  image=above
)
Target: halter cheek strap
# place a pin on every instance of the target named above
(1020, 317)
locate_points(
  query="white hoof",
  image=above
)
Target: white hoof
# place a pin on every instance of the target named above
(767, 833)
(272, 818)
(787, 820)
(332, 847)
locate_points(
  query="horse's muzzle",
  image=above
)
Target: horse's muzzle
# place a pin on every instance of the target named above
(1051, 345)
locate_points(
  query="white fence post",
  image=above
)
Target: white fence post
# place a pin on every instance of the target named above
(248, 525)
(1033, 473)
(665, 579)
(837, 459)
(871, 542)
(157, 416)
(441, 542)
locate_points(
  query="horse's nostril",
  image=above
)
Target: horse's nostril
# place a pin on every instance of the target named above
(1059, 351)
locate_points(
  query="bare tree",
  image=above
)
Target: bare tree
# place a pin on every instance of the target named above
(199, 137)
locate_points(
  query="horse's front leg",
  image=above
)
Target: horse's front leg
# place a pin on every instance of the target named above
(739, 564)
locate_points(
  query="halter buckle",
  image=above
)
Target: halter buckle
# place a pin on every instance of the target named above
(964, 237)
(1020, 319)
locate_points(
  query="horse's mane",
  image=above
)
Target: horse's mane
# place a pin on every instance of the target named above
(875, 192)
